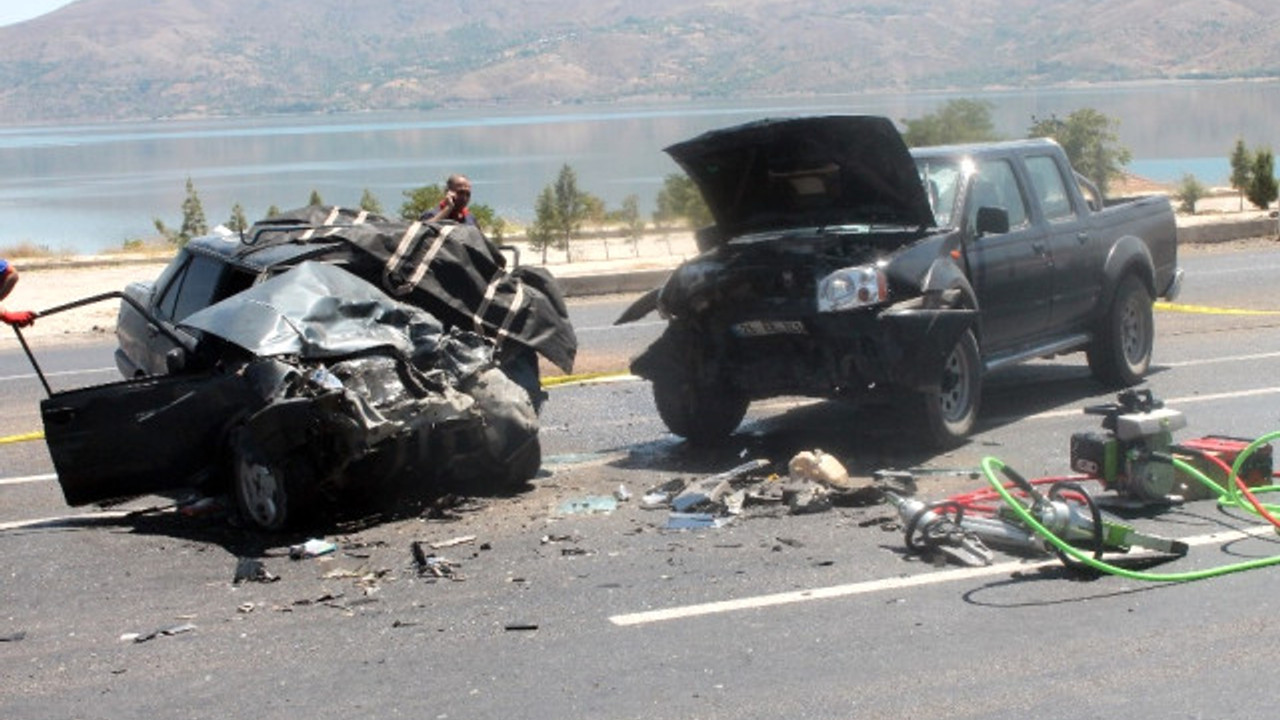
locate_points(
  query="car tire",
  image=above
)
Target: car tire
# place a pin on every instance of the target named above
(1121, 353)
(950, 412)
(269, 495)
(703, 415)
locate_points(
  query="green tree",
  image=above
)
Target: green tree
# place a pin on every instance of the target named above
(193, 222)
(957, 121)
(1241, 169)
(570, 205)
(541, 233)
(369, 202)
(1089, 139)
(315, 198)
(273, 211)
(1190, 190)
(629, 218)
(679, 198)
(419, 200)
(1262, 187)
(238, 223)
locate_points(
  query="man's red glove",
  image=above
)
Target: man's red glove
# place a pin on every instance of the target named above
(18, 318)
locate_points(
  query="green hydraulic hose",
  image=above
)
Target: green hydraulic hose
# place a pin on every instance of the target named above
(1235, 495)
(991, 466)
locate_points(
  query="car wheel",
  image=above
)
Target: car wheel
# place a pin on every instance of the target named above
(950, 412)
(1121, 353)
(703, 415)
(269, 495)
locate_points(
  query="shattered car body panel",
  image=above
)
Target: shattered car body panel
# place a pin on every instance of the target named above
(318, 373)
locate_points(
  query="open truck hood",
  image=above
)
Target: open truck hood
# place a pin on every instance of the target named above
(778, 174)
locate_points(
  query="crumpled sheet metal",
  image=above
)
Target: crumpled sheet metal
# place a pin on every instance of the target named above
(452, 271)
(315, 311)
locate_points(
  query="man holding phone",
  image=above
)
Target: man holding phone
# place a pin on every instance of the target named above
(454, 205)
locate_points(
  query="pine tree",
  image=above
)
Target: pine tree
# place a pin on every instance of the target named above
(238, 222)
(1262, 187)
(369, 203)
(1241, 169)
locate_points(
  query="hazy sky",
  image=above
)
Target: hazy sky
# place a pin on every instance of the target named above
(12, 11)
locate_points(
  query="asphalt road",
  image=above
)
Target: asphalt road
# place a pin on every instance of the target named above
(546, 610)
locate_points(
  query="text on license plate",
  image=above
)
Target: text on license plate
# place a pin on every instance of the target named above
(757, 328)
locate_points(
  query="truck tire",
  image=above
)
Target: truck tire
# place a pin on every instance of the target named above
(949, 414)
(1120, 354)
(702, 415)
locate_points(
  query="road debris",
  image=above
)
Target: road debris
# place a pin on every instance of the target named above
(430, 565)
(453, 542)
(589, 505)
(817, 466)
(312, 548)
(167, 631)
(252, 570)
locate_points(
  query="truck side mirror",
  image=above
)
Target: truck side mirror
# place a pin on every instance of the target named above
(992, 221)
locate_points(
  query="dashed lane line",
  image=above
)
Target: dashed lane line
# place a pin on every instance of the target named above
(874, 586)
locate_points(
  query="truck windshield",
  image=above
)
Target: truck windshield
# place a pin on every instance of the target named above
(941, 178)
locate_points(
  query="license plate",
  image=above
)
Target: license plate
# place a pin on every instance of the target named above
(759, 328)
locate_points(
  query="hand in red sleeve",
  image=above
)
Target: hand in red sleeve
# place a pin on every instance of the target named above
(18, 318)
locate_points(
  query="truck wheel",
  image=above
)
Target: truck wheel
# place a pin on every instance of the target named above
(701, 415)
(1121, 353)
(950, 413)
(269, 495)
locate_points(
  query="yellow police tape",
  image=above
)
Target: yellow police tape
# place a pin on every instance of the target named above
(37, 435)
(1206, 310)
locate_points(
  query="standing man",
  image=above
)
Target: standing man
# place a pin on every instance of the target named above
(454, 205)
(9, 278)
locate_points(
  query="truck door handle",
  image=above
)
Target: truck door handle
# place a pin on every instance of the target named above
(1039, 248)
(1082, 238)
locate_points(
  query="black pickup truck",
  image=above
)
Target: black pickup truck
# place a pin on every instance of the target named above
(843, 265)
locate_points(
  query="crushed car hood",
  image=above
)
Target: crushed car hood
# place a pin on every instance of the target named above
(314, 311)
(805, 172)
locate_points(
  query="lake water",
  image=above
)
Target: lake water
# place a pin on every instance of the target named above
(87, 188)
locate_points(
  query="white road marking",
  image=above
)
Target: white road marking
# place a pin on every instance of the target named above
(61, 373)
(874, 586)
(28, 479)
(1169, 402)
(64, 519)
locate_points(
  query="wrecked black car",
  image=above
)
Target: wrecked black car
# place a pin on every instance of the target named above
(323, 358)
(838, 267)
(324, 390)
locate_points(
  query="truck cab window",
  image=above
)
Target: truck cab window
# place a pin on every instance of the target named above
(1050, 188)
(997, 186)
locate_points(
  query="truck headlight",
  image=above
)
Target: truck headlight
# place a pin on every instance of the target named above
(852, 287)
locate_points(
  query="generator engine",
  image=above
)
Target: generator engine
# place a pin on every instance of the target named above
(1135, 427)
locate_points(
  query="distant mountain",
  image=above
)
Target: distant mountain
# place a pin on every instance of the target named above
(117, 59)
